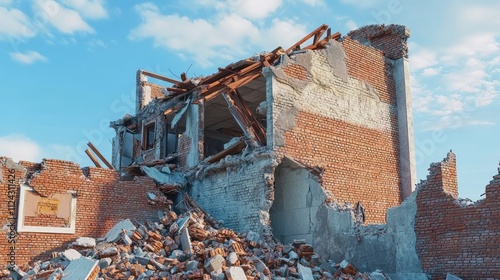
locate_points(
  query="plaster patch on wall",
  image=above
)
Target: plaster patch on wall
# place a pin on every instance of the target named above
(56, 214)
(328, 95)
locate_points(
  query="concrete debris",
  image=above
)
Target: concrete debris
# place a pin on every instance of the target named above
(71, 254)
(84, 242)
(171, 179)
(186, 246)
(82, 268)
(115, 233)
(452, 277)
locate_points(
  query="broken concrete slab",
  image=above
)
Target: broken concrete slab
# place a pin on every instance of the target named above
(85, 242)
(214, 264)
(174, 179)
(305, 272)
(186, 241)
(232, 258)
(71, 254)
(79, 269)
(115, 233)
(450, 276)
(235, 273)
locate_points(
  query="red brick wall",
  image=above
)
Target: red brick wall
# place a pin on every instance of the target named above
(369, 65)
(102, 201)
(296, 71)
(359, 164)
(156, 91)
(462, 240)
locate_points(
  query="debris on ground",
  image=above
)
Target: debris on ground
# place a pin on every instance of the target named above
(184, 247)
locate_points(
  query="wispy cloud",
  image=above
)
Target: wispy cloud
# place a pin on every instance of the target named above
(214, 38)
(15, 24)
(65, 20)
(19, 147)
(453, 122)
(364, 4)
(91, 9)
(314, 3)
(28, 57)
(96, 43)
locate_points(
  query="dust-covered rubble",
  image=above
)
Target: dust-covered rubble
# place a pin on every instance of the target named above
(185, 247)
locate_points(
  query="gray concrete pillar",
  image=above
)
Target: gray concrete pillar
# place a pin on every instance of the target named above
(193, 123)
(405, 125)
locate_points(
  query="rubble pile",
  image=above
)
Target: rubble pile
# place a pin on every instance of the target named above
(184, 247)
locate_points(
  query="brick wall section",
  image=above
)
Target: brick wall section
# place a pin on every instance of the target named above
(369, 65)
(359, 164)
(297, 71)
(358, 151)
(462, 240)
(102, 201)
(45, 221)
(156, 91)
(237, 191)
(183, 150)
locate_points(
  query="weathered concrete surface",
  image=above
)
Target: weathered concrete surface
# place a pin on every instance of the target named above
(238, 190)
(401, 224)
(389, 247)
(405, 125)
(297, 198)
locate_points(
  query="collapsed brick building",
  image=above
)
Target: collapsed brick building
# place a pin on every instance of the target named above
(337, 113)
(312, 142)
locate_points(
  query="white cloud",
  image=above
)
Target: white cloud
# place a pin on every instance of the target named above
(28, 57)
(314, 3)
(15, 24)
(254, 9)
(363, 4)
(351, 25)
(225, 36)
(431, 71)
(422, 59)
(92, 9)
(97, 43)
(282, 33)
(63, 19)
(19, 147)
(453, 122)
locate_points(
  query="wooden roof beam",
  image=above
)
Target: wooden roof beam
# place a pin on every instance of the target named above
(307, 37)
(160, 77)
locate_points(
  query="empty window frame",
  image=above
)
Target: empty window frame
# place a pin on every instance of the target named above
(148, 136)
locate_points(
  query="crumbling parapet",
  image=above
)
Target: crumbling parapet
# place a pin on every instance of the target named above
(390, 39)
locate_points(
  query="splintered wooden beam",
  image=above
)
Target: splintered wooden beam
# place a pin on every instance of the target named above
(160, 77)
(103, 159)
(92, 158)
(244, 117)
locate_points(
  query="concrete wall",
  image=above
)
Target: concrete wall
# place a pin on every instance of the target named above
(102, 200)
(297, 197)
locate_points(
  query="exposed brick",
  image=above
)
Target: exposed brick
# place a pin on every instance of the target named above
(102, 201)
(453, 238)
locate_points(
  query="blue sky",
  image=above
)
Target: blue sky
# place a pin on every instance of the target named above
(68, 67)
